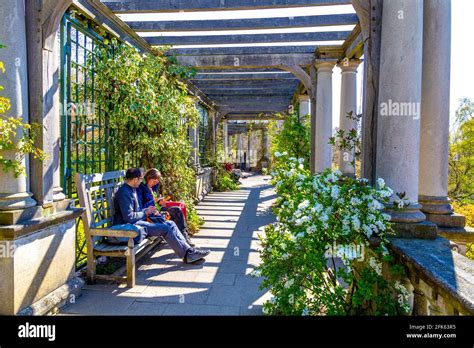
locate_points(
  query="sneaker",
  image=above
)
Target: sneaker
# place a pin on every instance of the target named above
(196, 255)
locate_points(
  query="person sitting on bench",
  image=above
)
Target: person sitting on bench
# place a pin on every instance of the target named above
(148, 195)
(127, 210)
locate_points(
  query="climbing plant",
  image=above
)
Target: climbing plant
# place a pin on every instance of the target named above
(17, 139)
(149, 111)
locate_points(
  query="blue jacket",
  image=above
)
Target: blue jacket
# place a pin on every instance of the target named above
(145, 197)
(127, 207)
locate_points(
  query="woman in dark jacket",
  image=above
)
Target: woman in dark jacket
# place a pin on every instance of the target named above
(148, 195)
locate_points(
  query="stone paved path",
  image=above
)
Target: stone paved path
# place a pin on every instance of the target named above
(222, 285)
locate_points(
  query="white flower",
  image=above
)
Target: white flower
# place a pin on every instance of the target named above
(324, 217)
(381, 183)
(301, 166)
(289, 283)
(300, 235)
(311, 229)
(284, 153)
(386, 192)
(300, 160)
(256, 273)
(367, 230)
(355, 223)
(304, 204)
(277, 154)
(335, 192)
(305, 312)
(386, 216)
(377, 266)
(380, 225)
(355, 201)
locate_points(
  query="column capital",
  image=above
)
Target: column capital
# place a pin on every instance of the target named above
(349, 65)
(324, 65)
(303, 97)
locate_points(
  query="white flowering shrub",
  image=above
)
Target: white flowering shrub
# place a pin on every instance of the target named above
(315, 213)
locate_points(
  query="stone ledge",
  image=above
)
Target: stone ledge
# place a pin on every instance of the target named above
(447, 220)
(418, 230)
(448, 273)
(457, 234)
(20, 230)
(51, 303)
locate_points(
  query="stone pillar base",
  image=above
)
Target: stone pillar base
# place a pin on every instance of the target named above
(52, 302)
(435, 205)
(418, 230)
(409, 214)
(37, 257)
(16, 201)
(447, 220)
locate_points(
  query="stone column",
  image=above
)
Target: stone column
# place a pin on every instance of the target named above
(249, 150)
(433, 180)
(14, 192)
(348, 104)
(398, 128)
(225, 137)
(239, 150)
(323, 156)
(304, 105)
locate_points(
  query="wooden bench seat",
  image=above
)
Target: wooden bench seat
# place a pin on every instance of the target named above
(96, 192)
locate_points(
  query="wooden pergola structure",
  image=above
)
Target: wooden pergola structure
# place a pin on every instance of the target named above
(405, 45)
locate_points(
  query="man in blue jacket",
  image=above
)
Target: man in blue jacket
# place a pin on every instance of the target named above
(127, 210)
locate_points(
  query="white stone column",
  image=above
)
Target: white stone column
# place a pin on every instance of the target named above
(14, 192)
(249, 150)
(225, 137)
(239, 150)
(433, 181)
(323, 158)
(348, 104)
(304, 105)
(398, 127)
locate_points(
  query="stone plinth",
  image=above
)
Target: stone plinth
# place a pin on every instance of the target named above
(37, 257)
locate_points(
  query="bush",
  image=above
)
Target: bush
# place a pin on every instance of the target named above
(225, 182)
(320, 217)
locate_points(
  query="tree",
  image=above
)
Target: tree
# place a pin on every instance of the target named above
(461, 154)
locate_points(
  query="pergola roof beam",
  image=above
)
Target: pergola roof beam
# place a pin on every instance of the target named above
(240, 50)
(246, 23)
(246, 61)
(140, 6)
(247, 39)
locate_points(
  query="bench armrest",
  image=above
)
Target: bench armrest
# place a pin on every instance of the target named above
(112, 233)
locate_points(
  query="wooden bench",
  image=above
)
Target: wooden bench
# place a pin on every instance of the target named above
(96, 192)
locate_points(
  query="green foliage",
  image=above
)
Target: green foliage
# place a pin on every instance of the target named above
(461, 155)
(225, 182)
(349, 142)
(150, 111)
(16, 138)
(293, 137)
(321, 217)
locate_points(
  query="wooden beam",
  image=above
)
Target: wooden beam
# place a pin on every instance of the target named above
(246, 23)
(247, 83)
(253, 117)
(246, 39)
(301, 75)
(245, 61)
(252, 93)
(204, 51)
(140, 6)
(230, 99)
(354, 45)
(251, 109)
(247, 77)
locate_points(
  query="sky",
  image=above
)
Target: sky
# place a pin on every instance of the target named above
(462, 49)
